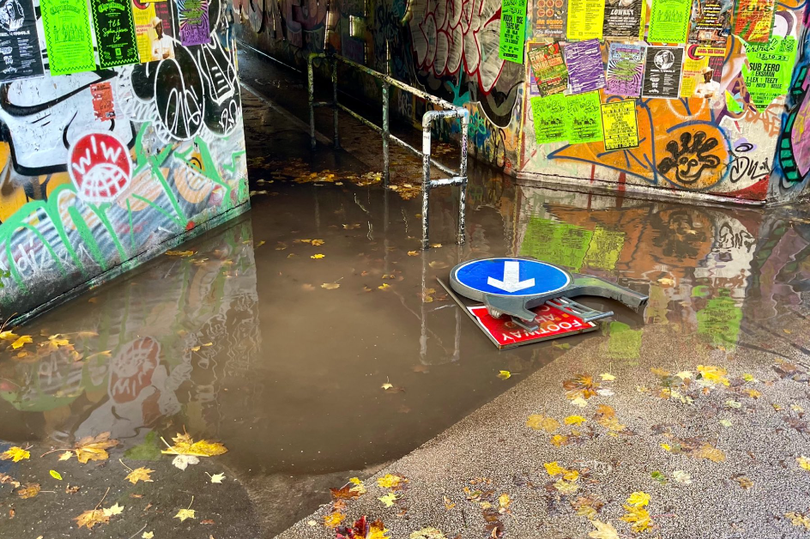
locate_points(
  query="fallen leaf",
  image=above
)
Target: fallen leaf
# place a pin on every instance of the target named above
(389, 499)
(351, 227)
(711, 375)
(427, 533)
(8, 336)
(798, 519)
(5, 478)
(183, 461)
(574, 420)
(179, 253)
(94, 448)
(448, 503)
(682, 477)
(587, 506)
(333, 520)
(90, 518)
(207, 522)
(148, 535)
(744, 481)
(708, 451)
(376, 530)
(184, 514)
(753, 393)
(579, 401)
(804, 462)
(607, 377)
(15, 454)
(504, 375)
(185, 445)
(413, 253)
(639, 499)
(553, 468)
(30, 490)
(318, 256)
(604, 530)
(317, 243)
(504, 501)
(749, 377)
(733, 404)
(638, 518)
(581, 386)
(725, 422)
(22, 341)
(559, 440)
(541, 422)
(56, 475)
(566, 487)
(344, 493)
(217, 478)
(390, 481)
(436, 245)
(330, 286)
(140, 474)
(387, 386)
(658, 476)
(114, 510)
(384, 286)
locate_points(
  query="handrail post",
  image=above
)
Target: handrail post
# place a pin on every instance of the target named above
(462, 197)
(427, 122)
(311, 97)
(385, 134)
(335, 101)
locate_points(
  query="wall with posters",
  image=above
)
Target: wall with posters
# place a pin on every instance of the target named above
(135, 146)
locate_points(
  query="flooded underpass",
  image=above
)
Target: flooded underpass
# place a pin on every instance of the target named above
(312, 338)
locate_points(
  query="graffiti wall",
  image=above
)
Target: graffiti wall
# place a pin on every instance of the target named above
(102, 169)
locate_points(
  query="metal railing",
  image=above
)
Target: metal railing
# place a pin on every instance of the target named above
(451, 111)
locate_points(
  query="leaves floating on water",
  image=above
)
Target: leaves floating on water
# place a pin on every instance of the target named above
(183, 254)
(184, 444)
(140, 474)
(30, 490)
(330, 286)
(185, 514)
(15, 454)
(88, 519)
(504, 375)
(22, 341)
(217, 478)
(92, 448)
(318, 256)
(56, 475)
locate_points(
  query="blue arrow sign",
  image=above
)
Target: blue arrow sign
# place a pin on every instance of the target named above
(512, 277)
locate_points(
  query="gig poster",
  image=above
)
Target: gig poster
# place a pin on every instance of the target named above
(192, 18)
(513, 30)
(623, 18)
(710, 22)
(620, 125)
(669, 21)
(68, 38)
(549, 115)
(753, 20)
(770, 66)
(19, 43)
(115, 32)
(585, 69)
(625, 69)
(548, 68)
(549, 18)
(585, 19)
(662, 72)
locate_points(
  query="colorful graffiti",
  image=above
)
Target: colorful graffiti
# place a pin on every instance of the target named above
(83, 193)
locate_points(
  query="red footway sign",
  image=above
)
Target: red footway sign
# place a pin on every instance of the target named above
(553, 323)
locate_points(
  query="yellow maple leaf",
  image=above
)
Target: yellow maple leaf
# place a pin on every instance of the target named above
(607, 377)
(15, 454)
(604, 530)
(56, 341)
(559, 440)
(333, 520)
(330, 286)
(708, 451)
(384, 286)
(639, 499)
(185, 445)
(318, 256)
(541, 422)
(638, 518)
(148, 535)
(94, 448)
(389, 499)
(390, 481)
(66, 455)
(113, 510)
(30, 490)
(804, 462)
(571, 475)
(8, 336)
(184, 514)
(504, 501)
(376, 530)
(753, 393)
(22, 341)
(140, 474)
(713, 374)
(566, 487)
(553, 468)
(413, 253)
(574, 420)
(504, 375)
(359, 487)
(317, 243)
(90, 518)
(798, 519)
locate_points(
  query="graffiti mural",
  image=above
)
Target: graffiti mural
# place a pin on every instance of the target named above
(81, 193)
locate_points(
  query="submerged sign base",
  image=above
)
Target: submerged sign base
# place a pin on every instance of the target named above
(551, 323)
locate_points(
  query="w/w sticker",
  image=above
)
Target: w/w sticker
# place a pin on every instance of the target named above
(100, 167)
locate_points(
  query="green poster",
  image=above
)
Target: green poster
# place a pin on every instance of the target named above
(669, 21)
(770, 66)
(115, 32)
(67, 36)
(556, 242)
(513, 30)
(549, 118)
(584, 114)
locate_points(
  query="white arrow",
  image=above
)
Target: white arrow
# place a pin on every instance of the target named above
(511, 278)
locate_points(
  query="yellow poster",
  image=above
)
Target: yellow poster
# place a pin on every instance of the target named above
(620, 125)
(585, 19)
(143, 15)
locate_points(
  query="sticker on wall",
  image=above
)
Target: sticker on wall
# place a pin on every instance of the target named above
(623, 18)
(549, 118)
(753, 20)
(625, 69)
(21, 58)
(548, 68)
(192, 17)
(103, 106)
(68, 38)
(585, 19)
(115, 32)
(662, 72)
(585, 69)
(669, 21)
(513, 30)
(620, 125)
(770, 65)
(549, 18)
(710, 22)
(100, 167)
(584, 118)
(702, 69)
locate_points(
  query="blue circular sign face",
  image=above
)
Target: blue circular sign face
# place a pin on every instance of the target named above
(513, 277)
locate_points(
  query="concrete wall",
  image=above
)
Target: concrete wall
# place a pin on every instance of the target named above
(450, 48)
(177, 133)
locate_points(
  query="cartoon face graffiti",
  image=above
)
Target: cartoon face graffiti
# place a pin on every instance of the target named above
(691, 164)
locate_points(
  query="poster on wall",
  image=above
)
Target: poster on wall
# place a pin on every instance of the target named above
(513, 30)
(623, 18)
(584, 118)
(153, 30)
(770, 66)
(625, 69)
(549, 18)
(585, 19)
(585, 70)
(192, 17)
(103, 106)
(68, 38)
(549, 118)
(620, 125)
(710, 22)
(142, 16)
(669, 21)
(115, 32)
(19, 41)
(702, 69)
(753, 20)
(548, 68)
(662, 72)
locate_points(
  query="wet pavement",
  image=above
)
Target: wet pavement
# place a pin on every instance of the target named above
(251, 338)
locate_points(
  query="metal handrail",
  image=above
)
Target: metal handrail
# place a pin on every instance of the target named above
(458, 177)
